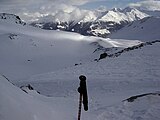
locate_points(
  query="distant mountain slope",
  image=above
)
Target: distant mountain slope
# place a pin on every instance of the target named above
(96, 23)
(11, 18)
(145, 29)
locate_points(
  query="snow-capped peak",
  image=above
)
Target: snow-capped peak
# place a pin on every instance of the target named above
(128, 14)
(102, 14)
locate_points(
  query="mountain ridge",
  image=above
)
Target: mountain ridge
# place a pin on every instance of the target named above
(146, 29)
(11, 18)
(95, 23)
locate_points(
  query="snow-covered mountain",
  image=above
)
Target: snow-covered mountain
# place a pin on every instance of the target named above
(150, 7)
(11, 18)
(146, 29)
(127, 14)
(97, 23)
(123, 85)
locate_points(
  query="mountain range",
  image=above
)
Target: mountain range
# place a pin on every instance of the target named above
(96, 23)
(100, 22)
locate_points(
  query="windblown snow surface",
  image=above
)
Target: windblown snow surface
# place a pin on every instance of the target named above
(51, 61)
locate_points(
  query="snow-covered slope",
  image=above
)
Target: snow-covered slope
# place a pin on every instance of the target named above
(145, 29)
(144, 108)
(109, 81)
(18, 105)
(30, 50)
(27, 50)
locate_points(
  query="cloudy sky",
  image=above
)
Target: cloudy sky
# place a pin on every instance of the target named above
(27, 9)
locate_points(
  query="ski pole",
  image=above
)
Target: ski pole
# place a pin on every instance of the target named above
(80, 106)
(83, 95)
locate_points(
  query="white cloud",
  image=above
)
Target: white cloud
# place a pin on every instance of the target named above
(33, 9)
(147, 5)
